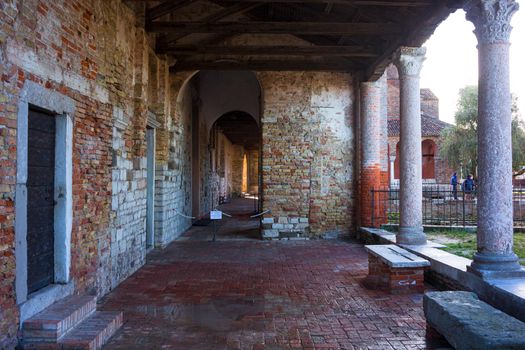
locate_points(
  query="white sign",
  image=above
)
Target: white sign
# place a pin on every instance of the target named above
(216, 215)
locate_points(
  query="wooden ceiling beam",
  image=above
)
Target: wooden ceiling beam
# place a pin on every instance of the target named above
(349, 51)
(231, 10)
(315, 28)
(266, 65)
(165, 8)
(214, 17)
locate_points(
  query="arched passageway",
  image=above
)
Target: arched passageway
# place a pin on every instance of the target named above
(223, 110)
(235, 143)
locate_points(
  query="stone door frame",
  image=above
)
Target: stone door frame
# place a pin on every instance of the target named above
(151, 126)
(63, 108)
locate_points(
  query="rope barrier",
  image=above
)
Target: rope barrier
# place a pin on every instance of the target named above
(185, 216)
(260, 214)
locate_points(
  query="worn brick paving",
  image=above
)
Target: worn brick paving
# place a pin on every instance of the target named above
(239, 294)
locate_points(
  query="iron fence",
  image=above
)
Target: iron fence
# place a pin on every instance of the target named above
(441, 206)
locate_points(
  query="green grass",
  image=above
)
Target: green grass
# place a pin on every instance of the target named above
(463, 243)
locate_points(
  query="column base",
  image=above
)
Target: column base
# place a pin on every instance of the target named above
(492, 266)
(411, 235)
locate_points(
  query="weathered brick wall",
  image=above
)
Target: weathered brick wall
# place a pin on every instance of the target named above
(237, 157)
(253, 171)
(308, 152)
(8, 107)
(173, 171)
(429, 103)
(89, 51)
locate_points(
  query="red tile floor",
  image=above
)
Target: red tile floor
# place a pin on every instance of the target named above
(251, 294)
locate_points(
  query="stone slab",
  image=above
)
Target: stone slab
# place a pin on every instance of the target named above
(395, 256)
(469, 323)
(508, 294)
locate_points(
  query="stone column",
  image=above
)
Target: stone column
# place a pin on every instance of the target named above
(409, 61)
(370, 149)
(495, 256)
(385, 181)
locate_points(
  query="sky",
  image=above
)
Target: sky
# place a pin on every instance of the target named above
(452, 61)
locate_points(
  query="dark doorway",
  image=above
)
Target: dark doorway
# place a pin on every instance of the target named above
(40, 200)
(150, 188)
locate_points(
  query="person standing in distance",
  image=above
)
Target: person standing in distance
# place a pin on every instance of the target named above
(454, 183)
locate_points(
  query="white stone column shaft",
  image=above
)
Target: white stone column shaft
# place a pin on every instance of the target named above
(409, 61)
(495, 255)
(384, 127)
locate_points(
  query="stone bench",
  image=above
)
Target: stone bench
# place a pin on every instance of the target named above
(469, 323)
(394, 269)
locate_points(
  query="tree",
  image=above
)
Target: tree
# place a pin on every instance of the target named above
(459, 142)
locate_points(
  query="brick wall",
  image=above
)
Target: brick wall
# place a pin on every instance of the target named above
(92, 52)
(308, 152)
(429, 103)
(173, 170)
(253, 171)
(236, 171)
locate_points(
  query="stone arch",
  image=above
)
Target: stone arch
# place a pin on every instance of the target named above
(180, 83)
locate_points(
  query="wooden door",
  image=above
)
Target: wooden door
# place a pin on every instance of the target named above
(40, 200)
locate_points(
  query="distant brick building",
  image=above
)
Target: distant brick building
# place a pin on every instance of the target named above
(435, 169)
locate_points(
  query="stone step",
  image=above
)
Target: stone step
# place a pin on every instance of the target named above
(91, 334)
(59, 318)
(94, 332)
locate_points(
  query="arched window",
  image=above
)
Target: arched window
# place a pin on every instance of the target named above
(428, 148)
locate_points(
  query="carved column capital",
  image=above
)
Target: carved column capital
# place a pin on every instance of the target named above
(491, 19)
(409, 60)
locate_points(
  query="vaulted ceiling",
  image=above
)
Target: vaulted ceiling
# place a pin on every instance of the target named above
(338, 35)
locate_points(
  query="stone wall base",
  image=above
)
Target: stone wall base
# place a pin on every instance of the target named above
(285, 228)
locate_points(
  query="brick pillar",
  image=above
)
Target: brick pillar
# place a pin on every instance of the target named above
(370, 150)
(495, 256)
(409, 61)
